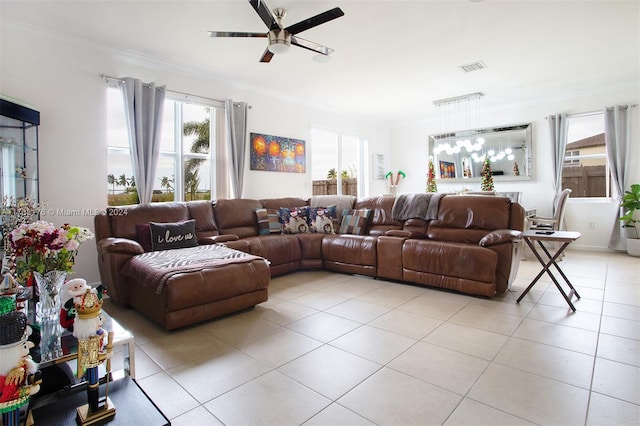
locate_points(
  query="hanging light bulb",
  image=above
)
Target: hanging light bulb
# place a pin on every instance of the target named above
(508, 151)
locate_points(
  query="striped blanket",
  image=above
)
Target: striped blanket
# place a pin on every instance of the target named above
(155, 268)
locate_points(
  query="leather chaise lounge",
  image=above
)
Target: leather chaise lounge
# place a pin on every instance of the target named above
(470, 245)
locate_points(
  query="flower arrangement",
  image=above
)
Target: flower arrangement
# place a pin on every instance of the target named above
(15, 212)
(45, 248)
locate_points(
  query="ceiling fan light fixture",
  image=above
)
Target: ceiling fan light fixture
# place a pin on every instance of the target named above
(280, 38)
(278, 47)
(279, 42)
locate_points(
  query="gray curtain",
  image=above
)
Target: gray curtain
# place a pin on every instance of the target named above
(236, 130)
(143, 107)
(617, 135)
(558, 127)
(222, 183)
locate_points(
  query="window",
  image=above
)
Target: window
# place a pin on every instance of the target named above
(586, 169)
(337, 163)
(569, 160)
(185, 167)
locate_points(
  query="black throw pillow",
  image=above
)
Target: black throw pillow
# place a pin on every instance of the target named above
(165, 236)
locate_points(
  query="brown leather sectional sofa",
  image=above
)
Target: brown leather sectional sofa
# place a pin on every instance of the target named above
(471, 247)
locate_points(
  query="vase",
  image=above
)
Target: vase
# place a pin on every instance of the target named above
(49, 286)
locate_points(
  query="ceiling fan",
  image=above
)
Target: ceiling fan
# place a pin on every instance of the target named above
(280, 38)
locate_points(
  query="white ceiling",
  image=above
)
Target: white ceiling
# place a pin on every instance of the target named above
(392, 59)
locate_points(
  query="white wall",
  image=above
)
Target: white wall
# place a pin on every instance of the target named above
(60, 78)
(410, 154)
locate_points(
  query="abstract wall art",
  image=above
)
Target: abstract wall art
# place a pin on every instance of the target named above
(277, 154)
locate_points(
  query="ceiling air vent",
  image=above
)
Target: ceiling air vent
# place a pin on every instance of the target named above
(474, 66)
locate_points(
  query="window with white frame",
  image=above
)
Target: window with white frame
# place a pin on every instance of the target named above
(185, 169)
(337, 163)
(586, 169)
(570, 158)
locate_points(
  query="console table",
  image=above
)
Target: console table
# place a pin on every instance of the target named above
(133, 407)
(69, 347)
(564, 238)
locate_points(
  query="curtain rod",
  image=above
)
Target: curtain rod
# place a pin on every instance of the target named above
(111, 79)
(586, 114)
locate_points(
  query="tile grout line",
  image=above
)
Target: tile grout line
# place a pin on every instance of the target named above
(595, 356)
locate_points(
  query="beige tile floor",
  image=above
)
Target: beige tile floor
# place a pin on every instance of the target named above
(334, 349)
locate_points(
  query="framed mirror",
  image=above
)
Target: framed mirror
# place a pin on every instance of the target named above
(459, 155)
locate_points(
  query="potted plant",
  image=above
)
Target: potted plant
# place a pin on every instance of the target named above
(631, 210)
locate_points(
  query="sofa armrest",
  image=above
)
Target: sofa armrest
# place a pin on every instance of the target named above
(217, 239)
(119, 245)
(113, 254)
(500, 236)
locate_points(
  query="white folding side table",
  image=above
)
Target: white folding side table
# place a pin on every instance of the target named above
(563, 237)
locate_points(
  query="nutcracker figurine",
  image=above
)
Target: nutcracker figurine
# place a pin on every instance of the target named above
(19, 375)
(92, 351)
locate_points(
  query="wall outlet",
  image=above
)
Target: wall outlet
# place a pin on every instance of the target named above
(592, 225)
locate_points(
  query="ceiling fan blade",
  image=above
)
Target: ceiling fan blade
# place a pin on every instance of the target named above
(266, 56)
(235, 34)
(315, 21)
(315, 47)
(265, 14)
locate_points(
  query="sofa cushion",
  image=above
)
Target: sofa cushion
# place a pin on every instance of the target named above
(125, 218)
(447, 259)
(202, 212)
(165, 236)
(268, 222)
(143, 236)
(340, 201)
(466, 219)
(289, 202)
(381, 219)
(354, 221)
(237, 216)
(294, 220)
(322, 219)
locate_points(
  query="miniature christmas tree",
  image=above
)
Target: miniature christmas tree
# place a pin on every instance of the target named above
(486, 182)
(431, 178)
(516, 170)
